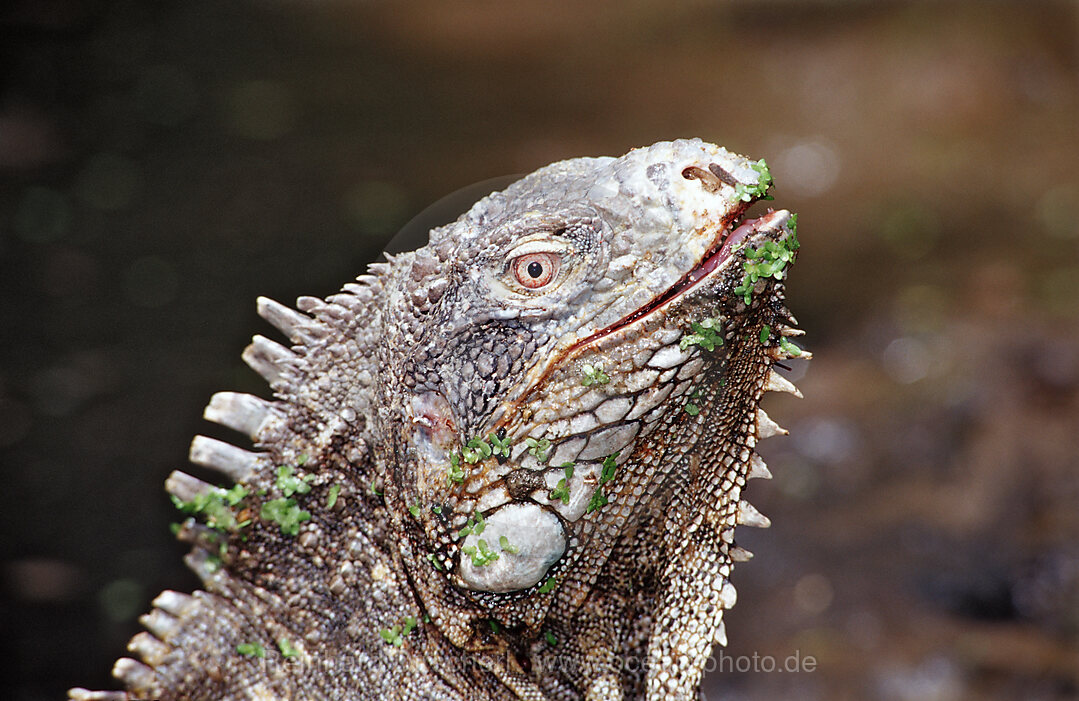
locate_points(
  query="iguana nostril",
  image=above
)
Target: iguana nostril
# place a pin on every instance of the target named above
(722, 174)
(707, 178)
(712, 179)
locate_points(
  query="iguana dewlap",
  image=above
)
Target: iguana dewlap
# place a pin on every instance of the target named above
(508, 464)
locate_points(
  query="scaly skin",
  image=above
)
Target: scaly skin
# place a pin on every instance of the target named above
(531, 386)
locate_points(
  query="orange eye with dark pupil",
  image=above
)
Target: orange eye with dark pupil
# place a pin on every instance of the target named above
(534, 270)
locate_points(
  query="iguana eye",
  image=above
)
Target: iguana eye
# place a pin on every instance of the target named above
(534, 270)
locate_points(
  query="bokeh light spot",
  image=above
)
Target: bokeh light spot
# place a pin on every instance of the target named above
(813, 594)
(911, 230)
(1058, 291)
(808, 169)
(262, 110)
(121, 599)
(906, 360)
(921, 308)
(108, 181)
(1058, 211)
(42, 580)
(799, 480)
(166, 95)
(150, 282)
(43, 215)
(827, 440)
(935, 679)
(375, 207)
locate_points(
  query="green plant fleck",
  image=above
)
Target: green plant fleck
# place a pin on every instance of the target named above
(437, 509)
(286, 514)
(475, 525)
(302, 459)
(764, 181)
(286, 648)
(235, 495)
(705, 334)
(594, 375)
(215, 505)
(434, 561)
(548, 586)
(331, 498)
(561, 491)
(499, 446)
(692, 409)
(551, 640)
(504, 543)
(598, 500)
(456, 472)
(392, 635)
(415, 510)
(475, 450)
(289, 484)
(480, 553)
(251, 650)
(495, 628)
(374, 489)
(538, 448)
(766, 333)
(769, 260)
(792, 237)
(488, 554)
(789, 348)
(609, 468)
(395, 635)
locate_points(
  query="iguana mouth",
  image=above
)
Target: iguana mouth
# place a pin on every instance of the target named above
(728, 240)
(732, 230)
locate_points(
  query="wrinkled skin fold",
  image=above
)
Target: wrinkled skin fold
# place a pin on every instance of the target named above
(508, 464)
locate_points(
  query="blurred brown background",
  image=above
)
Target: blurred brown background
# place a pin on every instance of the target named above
(163, 163)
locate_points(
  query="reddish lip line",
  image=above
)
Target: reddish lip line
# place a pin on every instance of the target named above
(722, 248)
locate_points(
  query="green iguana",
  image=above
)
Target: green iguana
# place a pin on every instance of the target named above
(508, 464)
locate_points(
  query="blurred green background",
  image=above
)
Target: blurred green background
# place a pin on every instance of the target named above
(162, 163)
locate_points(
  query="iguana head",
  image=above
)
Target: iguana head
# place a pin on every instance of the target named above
(540, 340)
(540, 423)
